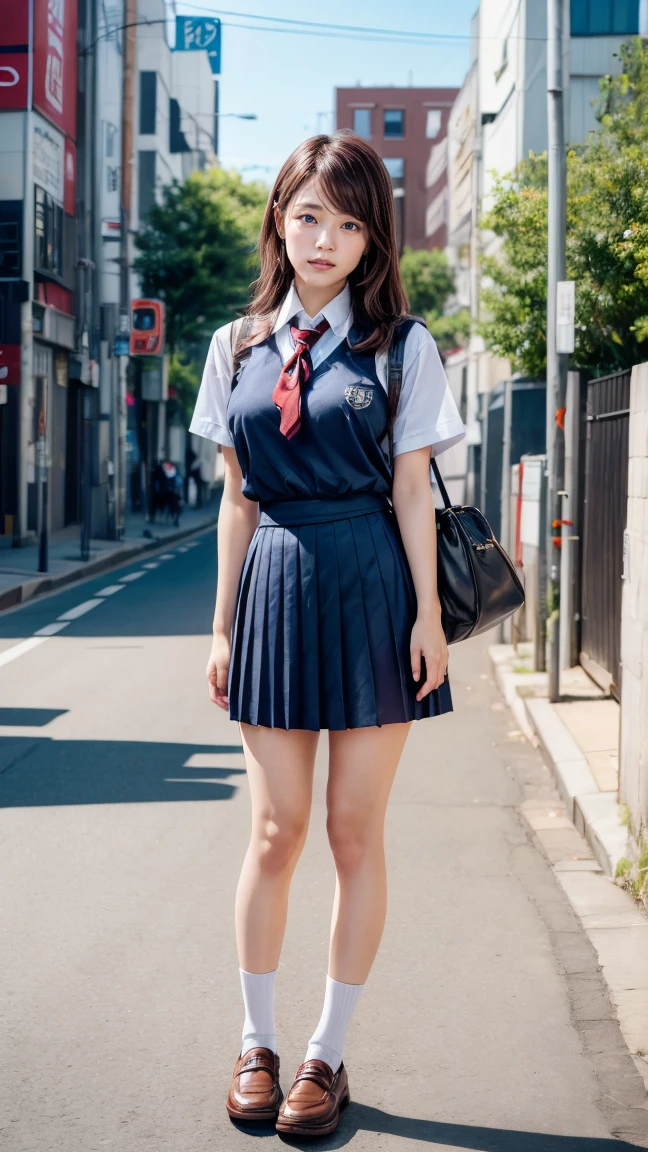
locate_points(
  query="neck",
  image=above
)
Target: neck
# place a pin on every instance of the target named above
(314, 298)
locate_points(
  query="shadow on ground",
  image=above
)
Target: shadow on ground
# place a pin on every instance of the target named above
(36, 771)
(361, 1118)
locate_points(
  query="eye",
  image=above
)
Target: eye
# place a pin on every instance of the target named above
(350, 225)
(307, 217)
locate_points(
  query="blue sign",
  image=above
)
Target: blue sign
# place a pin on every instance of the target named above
(200, 34)
(121, 345)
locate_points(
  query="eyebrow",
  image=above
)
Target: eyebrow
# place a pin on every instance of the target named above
(321, 208)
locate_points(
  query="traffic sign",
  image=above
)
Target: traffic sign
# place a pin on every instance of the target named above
(200, 34)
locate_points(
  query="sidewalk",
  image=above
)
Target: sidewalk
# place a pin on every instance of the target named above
(20, 579)
(585, 836)
(579, 740)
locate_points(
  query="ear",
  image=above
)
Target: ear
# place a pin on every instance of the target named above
(278, 218)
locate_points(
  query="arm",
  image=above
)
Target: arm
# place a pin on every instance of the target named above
(414, 508)
(237, 521)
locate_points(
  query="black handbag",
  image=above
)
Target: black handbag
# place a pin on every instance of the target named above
(477, 582)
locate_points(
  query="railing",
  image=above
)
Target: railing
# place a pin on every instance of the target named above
(606, 498)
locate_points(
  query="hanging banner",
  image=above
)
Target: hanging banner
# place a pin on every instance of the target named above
(14, 55)
(55, 62)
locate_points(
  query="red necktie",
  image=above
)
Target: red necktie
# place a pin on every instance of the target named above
(287, 392)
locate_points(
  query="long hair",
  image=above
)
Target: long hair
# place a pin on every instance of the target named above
(353, 179)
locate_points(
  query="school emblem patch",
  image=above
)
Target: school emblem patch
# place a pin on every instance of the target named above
(358, 397)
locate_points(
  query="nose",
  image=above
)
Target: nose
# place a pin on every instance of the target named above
(325, 241)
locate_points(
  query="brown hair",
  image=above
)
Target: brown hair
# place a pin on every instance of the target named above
(354, 179)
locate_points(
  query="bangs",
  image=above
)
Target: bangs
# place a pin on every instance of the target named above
(344, 191)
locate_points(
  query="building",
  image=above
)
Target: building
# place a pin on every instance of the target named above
(407, 127)
(499, 116)
(43, 354)
(63, 397)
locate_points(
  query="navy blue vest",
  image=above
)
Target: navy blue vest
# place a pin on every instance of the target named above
(341, 447)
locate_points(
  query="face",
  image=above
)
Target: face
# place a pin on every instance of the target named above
(323, 246)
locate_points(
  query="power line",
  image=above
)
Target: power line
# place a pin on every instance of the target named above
(345, 31)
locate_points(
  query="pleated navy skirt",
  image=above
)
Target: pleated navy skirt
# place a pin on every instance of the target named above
(323, 620)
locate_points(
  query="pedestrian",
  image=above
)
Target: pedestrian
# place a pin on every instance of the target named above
(327, 614)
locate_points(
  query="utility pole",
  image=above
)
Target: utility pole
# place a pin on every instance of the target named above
(556, 361)
(119, 439)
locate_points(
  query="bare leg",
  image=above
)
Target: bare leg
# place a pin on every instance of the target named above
(362, 766)
(280, 768)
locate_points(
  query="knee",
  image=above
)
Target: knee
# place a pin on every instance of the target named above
(352, 839)
(278, 840)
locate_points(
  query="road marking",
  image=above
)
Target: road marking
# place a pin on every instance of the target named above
(132, 576)
(79, 610)
(166, 556)
(192, 544)
(154, 565)
(52, 629)
(20, 649)
(110, 591)
(185, 549)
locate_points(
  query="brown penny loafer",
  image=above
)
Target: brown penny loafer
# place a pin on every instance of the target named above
(315, 1100)
(254, 1092)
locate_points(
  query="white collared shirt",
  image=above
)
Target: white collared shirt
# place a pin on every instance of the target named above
(426, 416)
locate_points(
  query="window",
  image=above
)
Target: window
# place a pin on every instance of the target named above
(396, 169)
(146, 183)
(148, 85)
(604, 17)
(394, 122)
(362, 122)
(48, 233)
(433, 123)
(177, 139)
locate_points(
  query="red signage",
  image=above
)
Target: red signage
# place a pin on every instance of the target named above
(9, 363)
(55, 62)
(14, 65)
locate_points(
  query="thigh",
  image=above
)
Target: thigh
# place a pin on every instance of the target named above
(362, 767)
(280, 766)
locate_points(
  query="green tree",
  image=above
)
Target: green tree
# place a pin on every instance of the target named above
(428, 280)
(607, 238)
(197, 252)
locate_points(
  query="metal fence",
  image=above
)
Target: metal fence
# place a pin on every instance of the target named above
(606, 498)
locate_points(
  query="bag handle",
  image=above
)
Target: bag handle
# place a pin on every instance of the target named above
(395, 381)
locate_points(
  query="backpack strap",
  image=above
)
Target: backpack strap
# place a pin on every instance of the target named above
(395, 360)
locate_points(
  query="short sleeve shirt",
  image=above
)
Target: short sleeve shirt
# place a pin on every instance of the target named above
(426, 416)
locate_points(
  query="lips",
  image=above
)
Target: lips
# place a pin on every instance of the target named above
(322, 263)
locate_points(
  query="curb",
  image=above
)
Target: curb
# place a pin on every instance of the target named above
(595, 814)
(33, 587)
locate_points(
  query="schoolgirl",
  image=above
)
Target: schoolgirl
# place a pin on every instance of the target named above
(327, 613)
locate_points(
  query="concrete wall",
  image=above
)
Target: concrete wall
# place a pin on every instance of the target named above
(633, 768)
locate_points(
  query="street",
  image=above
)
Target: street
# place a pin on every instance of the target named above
(485, 1023)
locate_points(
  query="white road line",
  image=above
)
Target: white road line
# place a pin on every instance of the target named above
(185, 549)
(132, 576)
(152, 565)
(192, 544)
(19, 649)
(166, 556)
(80, 610)
(52, 629)
(110, 591)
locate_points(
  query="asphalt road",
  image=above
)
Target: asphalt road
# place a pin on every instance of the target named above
(485, 1024)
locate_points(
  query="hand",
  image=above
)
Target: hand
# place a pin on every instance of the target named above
(217, 671)
(428, 642)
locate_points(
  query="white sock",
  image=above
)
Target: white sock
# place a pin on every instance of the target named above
(327, 1041)
(258, 996)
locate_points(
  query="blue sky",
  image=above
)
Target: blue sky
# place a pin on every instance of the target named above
(289, 80)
